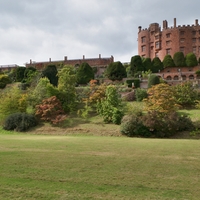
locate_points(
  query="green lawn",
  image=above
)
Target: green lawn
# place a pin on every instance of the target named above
(92, 167)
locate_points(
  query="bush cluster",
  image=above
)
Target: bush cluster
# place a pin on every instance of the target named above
(19, 122)
(153, 124)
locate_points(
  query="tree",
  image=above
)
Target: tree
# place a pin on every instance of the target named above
(20, 73)
(168, 61)
(191, 60)
(116, 71)
(51, 73)
(157, 65)
(147, 64)
(161, 99)
(84, 73)
(136, 64)
(110, 108)
(50, 111)
(179, 59)
(66, 87)
(42, 91)
(185, 94)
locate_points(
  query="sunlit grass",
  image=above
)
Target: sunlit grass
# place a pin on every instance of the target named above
(90, 167)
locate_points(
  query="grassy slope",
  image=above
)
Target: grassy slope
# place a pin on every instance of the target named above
(85, 167)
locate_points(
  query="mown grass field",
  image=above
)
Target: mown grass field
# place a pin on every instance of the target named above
(96, 167)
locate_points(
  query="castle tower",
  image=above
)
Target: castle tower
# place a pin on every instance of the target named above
(154, 42)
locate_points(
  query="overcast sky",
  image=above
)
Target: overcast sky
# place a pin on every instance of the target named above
(43, 29)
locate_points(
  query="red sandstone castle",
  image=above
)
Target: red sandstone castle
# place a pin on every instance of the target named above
(156, 42)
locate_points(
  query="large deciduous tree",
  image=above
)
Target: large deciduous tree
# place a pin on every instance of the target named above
(66, 87)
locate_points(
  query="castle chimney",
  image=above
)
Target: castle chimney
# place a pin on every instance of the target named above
(83, 57)
(49, 59)
(139, 28)
(99, 56)
(165, 24)
(30, 61)
(65, 58)
(174, 22)
(196, 22)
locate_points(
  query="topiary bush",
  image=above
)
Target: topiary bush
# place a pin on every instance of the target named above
(19, 122)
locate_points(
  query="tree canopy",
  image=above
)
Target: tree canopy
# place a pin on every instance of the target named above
(179, 59)
(136, 64)
(116, 71)
(191, 60)
(51, 73)
(168, 61)
(84, 73)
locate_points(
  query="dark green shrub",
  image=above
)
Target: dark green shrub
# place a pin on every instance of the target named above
(168, 61)
(131, 125)
(84, 73)
(2, 85)
(51, 73)
(5, 79)
(19, 122)
(136, 64)
(147, 64)
(153, 80)
(157, 65)
(166, 125)
(191, 60)
(135, 82)
(140, 94)
(116, 71)
(20, 73)
(179, 59)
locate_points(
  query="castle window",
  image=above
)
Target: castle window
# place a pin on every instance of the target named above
(168, 35)
(152, 48)
(143, 39)
(152, 32)
(182, 32)
(157, 45)
(194, 49)
(157, 37)
(193, 40)
(182, 40)
(168, 51)
(143, 48)
(156, 54)
(182, 49)
(168, 42)
(193, 33)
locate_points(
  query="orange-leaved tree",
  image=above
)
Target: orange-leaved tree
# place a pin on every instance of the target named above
(160, 99)
(50, 110)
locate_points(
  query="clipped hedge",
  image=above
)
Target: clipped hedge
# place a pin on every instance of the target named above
(135, 81)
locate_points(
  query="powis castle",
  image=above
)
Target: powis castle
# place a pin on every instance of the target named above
(156, 42)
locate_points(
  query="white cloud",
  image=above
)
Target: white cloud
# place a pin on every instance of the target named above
(41, 29)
